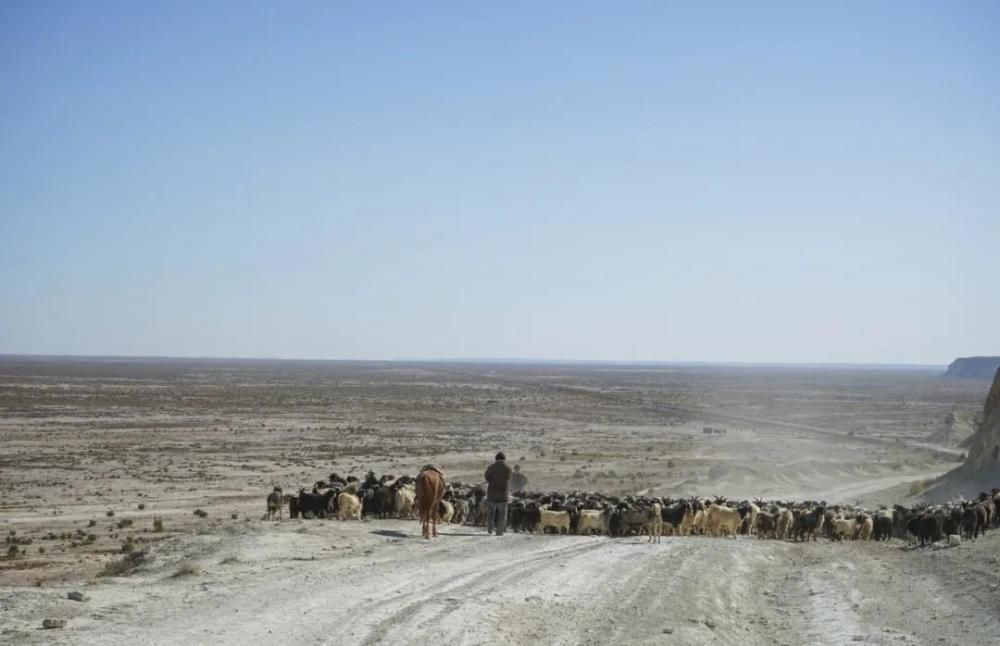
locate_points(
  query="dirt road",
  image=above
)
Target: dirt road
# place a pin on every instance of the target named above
(376, 582)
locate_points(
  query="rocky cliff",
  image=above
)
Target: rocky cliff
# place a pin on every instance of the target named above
(984, 447)
(973, 367)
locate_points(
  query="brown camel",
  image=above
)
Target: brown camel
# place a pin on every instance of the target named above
(430, 492)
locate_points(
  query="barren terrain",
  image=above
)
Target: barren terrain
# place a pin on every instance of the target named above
(88, 445)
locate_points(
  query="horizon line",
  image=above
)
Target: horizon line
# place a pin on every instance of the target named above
(487, 360)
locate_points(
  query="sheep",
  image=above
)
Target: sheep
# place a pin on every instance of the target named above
(446, 511)
(844, 528)
(693, 519)
(928, 525)
(461, 511)
(808, 523)
(864, 528)
(316, 505)
(882, 525)
(721, 520)
(405, 497)
(348, 506)
(786, 521)
(973, 520)
(532, 518)
(925, 525)
(984, 513)
(385, 501)
(633, 520)
(591, 520)
(557, 520)
(764, 524)
(674, 514)
(748, 511)
(479, 510)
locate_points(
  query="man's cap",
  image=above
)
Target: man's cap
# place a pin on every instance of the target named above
(501, 456)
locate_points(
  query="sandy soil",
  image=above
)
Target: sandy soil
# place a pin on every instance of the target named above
(91, 453)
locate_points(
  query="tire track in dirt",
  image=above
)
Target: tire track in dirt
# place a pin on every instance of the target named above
(472, 581)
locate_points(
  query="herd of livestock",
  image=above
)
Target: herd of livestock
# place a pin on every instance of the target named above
(593, 513)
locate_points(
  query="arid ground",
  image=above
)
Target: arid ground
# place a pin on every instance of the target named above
(92, 452)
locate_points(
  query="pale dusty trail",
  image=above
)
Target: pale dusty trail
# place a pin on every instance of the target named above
(384, 585)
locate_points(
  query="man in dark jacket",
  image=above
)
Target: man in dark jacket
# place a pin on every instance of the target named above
(497, 478)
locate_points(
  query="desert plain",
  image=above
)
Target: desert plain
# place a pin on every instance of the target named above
(171, 460)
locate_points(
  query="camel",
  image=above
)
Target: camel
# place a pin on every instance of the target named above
(430, 492)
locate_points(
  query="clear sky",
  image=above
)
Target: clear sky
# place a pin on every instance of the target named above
(754, 181)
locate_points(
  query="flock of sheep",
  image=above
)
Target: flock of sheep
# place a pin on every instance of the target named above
(594, 513)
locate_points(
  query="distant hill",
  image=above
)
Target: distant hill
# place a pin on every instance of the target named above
(973, 367)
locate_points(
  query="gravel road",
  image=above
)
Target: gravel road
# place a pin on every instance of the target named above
(376, 582)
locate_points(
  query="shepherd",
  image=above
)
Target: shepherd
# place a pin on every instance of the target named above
(497, 479)
(430, 493)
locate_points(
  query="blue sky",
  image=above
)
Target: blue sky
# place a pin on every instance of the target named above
(645, 180)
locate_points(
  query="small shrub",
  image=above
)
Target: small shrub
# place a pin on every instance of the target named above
(142, 506)
(123, 565)
(126, 522)
(200, 513)
(41, 550)
(91, 523)
(234, 516)
(157, 524)
(111, 513)
(187, 568)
